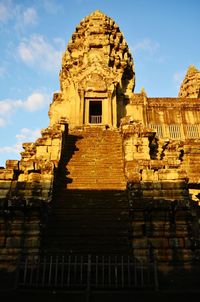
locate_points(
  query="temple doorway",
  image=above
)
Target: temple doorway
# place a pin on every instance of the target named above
(95, 112)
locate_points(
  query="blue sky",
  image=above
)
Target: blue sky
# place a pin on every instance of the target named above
(163, 37)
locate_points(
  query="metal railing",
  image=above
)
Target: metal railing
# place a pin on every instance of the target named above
(85, 272)
(95, 119)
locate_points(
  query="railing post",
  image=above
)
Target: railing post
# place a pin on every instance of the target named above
(88, 278)
(155, 274)
(17, 273)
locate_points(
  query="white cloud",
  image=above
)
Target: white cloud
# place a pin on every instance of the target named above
(34, 102)
(25, 135)
(146, 45)
(7, 106)
(25, 53)
(5, 11)
(20, 16)
(51, 6)
(30, 16)
(2, 122)
(2, 71)
(11, 149)
(36, 51)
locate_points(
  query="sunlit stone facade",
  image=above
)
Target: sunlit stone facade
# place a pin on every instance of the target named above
(103, 137)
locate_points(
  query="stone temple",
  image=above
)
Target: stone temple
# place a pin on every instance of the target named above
(115, 172)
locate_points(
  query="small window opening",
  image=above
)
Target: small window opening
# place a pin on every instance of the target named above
(95, 112)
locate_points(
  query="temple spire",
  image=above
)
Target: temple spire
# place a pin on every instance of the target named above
(190, 87)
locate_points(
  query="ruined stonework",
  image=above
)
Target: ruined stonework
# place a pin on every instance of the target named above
(25, 191)
(115, 172)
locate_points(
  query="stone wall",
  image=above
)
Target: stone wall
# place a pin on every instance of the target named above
(172, 118)
(164, 218)
(176, 122)
(25, 192)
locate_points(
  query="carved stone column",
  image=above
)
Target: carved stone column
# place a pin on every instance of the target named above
(81, 106)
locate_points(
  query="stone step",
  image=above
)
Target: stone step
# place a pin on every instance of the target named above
(94, 165)
(83, 220)
(93, 204)
(93, 169)
(97, 156)
(88, 241)
(88, 203)
(97, 178)
(96, 186)
(96, 212)
(97, 196)
(100, 249)
(97, 139)
(82, 230)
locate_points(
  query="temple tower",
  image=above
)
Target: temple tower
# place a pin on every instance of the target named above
(97, 75)
(190, 87)
(115, 172)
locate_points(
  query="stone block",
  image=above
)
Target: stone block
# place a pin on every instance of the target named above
(14, 242)
(45, 194)
(148, 193)
(168, 174)
(141, 155)
(137, 232)
(28, 146)
(141, 254)
(2, 241)
(18, 218)
(12, 164)
(4, 193)
(133, 176)
(5, 184)
(140, 243)
(32, 185)
(2, 174)
(34, 177)
(54, 155)
(33, 228)
(26, 165)
(159, 242)
(46, 188)
(17, 225)
(23, 177)
(9, 173)
(44, 141)
(148, 175)
(32, 242)
(41, 152)
(172, 185)
(56, 142)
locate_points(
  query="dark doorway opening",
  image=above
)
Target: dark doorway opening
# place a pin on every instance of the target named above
(95, 112)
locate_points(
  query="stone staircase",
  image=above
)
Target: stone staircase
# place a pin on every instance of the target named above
(97, 162)
(90, 211)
